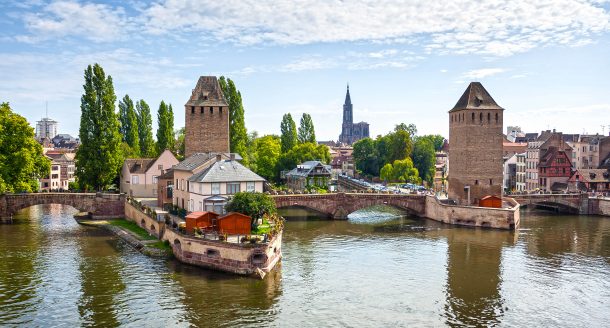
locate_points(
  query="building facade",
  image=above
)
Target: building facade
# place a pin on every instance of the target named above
(309, 174)
(206, 119)
(554, 169)
(62, 171)
(475, 137)
(350, 131)
(520, 178)
(139, 176)
(46, 128)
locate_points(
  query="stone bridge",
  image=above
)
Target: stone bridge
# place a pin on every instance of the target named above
(339, 205)
(572, 203)
(99, 205)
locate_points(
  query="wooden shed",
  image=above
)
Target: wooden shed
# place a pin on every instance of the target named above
(203, 220)
(491, 201)
(234, 223)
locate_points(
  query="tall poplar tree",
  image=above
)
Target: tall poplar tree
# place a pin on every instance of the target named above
(165, 132)
(129, 124)
(147, 144)
(99, 156)
(288, 137)
(238, 135)
(307, 132)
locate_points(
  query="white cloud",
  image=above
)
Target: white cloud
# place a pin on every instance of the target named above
(96, 22)
(489, 27)
(482, 73)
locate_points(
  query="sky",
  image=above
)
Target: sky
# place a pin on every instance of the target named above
(547, 62)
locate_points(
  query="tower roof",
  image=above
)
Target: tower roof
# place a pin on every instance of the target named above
(348, 100)
(475, 97)
(207, 92)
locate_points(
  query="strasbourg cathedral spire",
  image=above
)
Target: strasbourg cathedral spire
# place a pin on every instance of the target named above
(350, 131)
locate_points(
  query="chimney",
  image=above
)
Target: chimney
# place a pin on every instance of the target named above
(232, 156)
(218, 157)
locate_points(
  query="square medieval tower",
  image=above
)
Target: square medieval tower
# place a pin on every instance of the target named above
(206, 119)
(475, 146)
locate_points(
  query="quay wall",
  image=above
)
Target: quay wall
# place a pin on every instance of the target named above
(242, 259)
(149, 224)
(599, 206)
(498, 218)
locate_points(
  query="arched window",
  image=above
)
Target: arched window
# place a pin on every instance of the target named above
(473, 117)
(496, 117)
(488, 117)
(481, 117)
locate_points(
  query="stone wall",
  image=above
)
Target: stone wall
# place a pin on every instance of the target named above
(498, 218)
(100, 205)
(599, 206)
(206, 130)
(230, 257)
(152, 226)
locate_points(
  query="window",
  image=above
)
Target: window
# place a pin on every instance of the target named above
(181, 184)
(488, 117)
(192, 109)
(473, 117)
(200, 188)
(232, 187)
(160, 167)
(250, 186)
(215, 188)
(491, 182)
(476, 182)
(201, 206)
(201, 109)
(155, 179)
(135, 179)
(481, 117)
(496, 117)
(211, 110)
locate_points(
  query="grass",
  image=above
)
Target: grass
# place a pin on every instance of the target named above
(262, 229)
(162, 245)
(133, 227)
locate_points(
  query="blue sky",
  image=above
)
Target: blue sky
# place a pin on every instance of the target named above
(546, 62)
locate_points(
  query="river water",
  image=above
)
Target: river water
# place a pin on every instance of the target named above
(375, 270)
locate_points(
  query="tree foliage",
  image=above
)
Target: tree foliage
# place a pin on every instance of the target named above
(165, 132)
(289, 133)
(301, 153)
(366, 157)
(437, 140)
(129, 125)
(237, 126)
(306, 131)
(99, 156)
(400, 171)
(179, 145)
(254, 204)
(22, 161)
(267, 151)
(147, 144)
(424, 159)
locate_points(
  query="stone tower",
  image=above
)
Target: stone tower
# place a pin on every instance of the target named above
(475, 146)
(206, 119)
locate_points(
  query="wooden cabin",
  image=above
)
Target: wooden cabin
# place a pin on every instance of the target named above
(234, 223)
(491, 201)
(202, 220)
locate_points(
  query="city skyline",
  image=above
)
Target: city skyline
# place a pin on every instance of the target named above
(546, 67)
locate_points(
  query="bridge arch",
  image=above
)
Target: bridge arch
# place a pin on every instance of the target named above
(98, 205)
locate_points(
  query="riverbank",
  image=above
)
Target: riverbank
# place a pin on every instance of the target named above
(135, 236)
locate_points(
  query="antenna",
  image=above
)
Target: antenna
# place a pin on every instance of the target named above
(47, 109)
(603, 129)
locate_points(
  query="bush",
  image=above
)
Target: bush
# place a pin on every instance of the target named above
(254, 204)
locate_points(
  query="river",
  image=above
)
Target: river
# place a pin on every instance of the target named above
(375, 270)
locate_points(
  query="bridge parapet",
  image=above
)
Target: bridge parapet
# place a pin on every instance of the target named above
(99, 205)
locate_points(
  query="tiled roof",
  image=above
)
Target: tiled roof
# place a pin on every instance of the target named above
(167, 175)
(475, 97)
(207, 92)
(594, 175)
(139, 165)
(226, 171)
(197, 159)
(305, 169)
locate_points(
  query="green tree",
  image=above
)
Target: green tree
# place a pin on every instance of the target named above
(366, 156)
(306, 132)
(301, 153)
(387, 173)
(437, 140)
(289, 133)
(399, 146)
(179, 144)
(267, 149)
(424, 159)
(237, 126)
(147, 144)
(404, 171)
(22, 161)
(99, 156)
(129, 125)
(165, 132)
(254, 204)
(411, 128)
